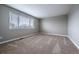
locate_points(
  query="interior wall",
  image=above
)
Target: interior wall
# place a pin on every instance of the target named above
(4, 24)
(73, 24)
(54, 25)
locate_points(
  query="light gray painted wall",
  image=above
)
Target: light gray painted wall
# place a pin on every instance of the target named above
(54, 25)
(73, 24)
(4, 25)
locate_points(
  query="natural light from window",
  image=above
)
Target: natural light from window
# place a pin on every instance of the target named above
(17, 21)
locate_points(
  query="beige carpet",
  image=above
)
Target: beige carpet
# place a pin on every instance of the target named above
(40, 44)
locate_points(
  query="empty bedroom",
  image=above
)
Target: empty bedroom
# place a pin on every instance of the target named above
(39, 28)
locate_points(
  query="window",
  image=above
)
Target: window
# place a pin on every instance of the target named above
(13, 21)
(23, 22)
(31, 23)
(17, 21)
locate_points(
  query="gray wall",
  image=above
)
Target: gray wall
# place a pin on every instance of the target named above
(73, 24)
(4, 25)
(54, 25)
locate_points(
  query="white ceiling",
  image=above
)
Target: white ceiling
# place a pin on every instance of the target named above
(43, 10)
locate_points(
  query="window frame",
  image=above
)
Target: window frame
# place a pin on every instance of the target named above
(30, 19)
(10, 19)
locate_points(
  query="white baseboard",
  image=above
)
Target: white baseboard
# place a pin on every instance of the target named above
(55, 34)
(73, 42)
(18, 38)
